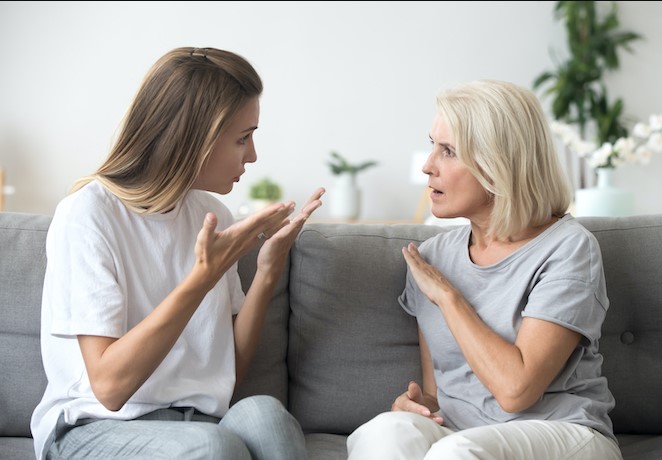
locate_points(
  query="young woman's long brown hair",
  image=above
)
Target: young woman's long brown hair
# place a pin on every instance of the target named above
(180, 110)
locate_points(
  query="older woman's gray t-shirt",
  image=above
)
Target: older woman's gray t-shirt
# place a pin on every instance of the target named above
(557, 277)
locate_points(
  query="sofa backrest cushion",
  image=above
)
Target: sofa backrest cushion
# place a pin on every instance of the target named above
(631, 342)
(268, 370)
(22, 266)
(352, 348)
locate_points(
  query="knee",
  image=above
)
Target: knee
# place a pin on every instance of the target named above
(260, 411)
(260, 406)
(202, 440)
(395, 422)
(385, 428)
(257, 403)
(393, 434)
(458, 446)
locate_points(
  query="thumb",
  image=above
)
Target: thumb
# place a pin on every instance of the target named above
(413, 391)
(210, 220)
(208, 228)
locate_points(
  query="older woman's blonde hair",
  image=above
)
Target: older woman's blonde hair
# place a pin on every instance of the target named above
(502, 135)
(185, 101)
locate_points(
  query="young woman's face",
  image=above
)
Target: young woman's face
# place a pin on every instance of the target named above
(233, 149)
(455, 191)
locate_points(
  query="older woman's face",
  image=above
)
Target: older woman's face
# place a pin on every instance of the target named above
(455, 191)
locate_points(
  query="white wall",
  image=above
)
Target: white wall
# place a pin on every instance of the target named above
(356, 77)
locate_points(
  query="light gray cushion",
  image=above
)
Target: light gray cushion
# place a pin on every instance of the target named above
(268, 371)
(353, 349)
(631, 340)
(322, 446)
(22, 265)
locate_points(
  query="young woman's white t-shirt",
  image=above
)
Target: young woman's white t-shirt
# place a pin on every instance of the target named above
(107, 269)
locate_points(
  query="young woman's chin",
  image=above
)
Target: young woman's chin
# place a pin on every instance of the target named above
(220, 189)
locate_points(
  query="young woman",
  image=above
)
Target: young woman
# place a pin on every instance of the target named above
(145, 327)
(509, 307)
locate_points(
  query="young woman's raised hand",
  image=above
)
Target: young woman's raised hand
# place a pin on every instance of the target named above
(216, 251)
(280, 238)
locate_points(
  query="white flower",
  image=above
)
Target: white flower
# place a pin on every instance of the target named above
(655, 142)
(655, 122)
(638, 148)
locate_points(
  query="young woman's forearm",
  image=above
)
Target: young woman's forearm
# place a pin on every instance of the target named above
(117, 368)
(248, 323)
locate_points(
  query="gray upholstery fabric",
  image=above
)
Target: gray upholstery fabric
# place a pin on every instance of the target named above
(632, 334)
(352, 347)
(323, 446)
(336, 338)
(268, 371)
(22, 265)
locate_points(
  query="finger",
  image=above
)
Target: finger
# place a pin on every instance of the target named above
(276, 229)
(210, 220)
(257, 222)
(407, 255)
(413, 390)
(313, 202)
(316, 196)
(208, 226)
(269, 224)
(411, 247)
(307, 211)
(438, 419)
(413, 406)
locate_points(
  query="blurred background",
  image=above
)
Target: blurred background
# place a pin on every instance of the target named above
(358, 78)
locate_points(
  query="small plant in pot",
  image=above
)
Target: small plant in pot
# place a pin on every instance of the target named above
(264, 192)
(345, 197)
(339, 165)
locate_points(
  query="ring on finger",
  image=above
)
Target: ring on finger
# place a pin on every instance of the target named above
(262, 236)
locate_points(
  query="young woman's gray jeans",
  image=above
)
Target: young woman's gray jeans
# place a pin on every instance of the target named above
(255, 428)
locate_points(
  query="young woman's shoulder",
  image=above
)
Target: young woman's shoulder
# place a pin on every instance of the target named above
(90, 205)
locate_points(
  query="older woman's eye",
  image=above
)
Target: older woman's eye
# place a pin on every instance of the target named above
(448, 152)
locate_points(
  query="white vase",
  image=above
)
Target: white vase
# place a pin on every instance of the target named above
(604, 199)
(258, 204)
(345, 198)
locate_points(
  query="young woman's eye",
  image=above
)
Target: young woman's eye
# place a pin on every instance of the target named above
(244, 139)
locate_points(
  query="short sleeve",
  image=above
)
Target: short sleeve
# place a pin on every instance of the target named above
(87, 299)
(572, 291)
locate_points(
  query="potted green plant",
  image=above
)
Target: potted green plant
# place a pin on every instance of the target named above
(345, 196)
(264, 192)
(339, 165)
(579, 94)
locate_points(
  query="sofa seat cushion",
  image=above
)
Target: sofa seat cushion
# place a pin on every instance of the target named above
(324, 446)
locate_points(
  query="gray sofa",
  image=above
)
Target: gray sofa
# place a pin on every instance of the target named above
(337, 348)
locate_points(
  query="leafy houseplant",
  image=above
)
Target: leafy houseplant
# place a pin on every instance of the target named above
(579, 94)
(266, 189)
(264, 192)
(340, 165)
(345, 195)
